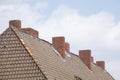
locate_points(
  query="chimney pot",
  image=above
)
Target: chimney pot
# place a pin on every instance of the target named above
(85, 56)
(15, 23)
(59, 45)
(101, 64)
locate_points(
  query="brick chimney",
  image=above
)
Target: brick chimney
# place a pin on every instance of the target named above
(101, 64)
(31, 32)
(67, 46)
(59, 45)
(85, 56)
(15, 23)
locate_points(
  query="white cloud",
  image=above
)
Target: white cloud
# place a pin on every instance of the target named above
(29, 15)
(114, 35)
(98, 32)
(85, 30)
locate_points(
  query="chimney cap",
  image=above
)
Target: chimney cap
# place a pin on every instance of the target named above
(58, 37)
(15, 23)
(87, 50)
(101, 64)
(14, 20)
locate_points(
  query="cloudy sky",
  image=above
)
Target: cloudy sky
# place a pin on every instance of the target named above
(86, 24)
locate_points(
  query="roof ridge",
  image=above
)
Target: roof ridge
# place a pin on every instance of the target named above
(15, 29)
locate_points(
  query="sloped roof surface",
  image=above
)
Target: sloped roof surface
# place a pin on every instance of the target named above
(15, 61)
(52, 65)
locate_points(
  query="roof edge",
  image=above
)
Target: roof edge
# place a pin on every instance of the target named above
(27, 49)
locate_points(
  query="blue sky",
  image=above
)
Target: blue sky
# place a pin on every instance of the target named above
(86, 7)
(86, 24)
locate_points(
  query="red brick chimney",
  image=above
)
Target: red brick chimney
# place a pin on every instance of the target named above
(67, 46)
(85, 56)
(101, 64)
(15, 23)
(59, 45)
(31, 31)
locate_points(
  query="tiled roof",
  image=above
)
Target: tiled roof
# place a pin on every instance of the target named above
(29, 58)
(15, 61)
